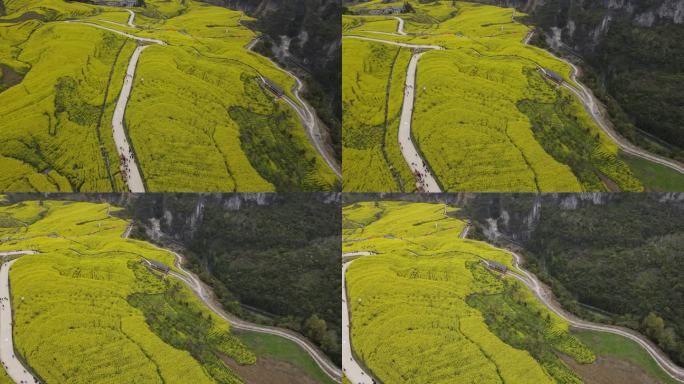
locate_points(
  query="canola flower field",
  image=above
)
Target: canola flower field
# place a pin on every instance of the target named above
(87, 310)
(485, 118)
(425, 309)
(198, 117)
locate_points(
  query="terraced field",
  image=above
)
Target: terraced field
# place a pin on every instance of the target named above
(425, 309)
(87, 310)
(485, 116)
(198, 117)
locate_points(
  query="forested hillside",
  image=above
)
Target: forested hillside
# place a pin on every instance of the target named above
(282, 258)
(612, 258)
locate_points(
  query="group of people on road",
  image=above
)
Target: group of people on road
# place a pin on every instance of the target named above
(124, 160)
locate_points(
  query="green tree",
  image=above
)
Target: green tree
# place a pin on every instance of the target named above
(315, 328)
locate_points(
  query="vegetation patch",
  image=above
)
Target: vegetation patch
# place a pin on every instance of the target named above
(514, 318)
(180, 322)
(262, 137)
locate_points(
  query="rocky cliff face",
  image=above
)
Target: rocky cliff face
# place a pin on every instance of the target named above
(583, 24)
(514, 217)
(172, 216)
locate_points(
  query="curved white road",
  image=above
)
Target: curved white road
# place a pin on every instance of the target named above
(313, 128)
(131, 19)
(352, 369)
(129, 166)
(425, 180)
(308, 117)
(400, 27)
(14, 368)
(198, 288)
(592, 106)
(127, 162)
(545, 295)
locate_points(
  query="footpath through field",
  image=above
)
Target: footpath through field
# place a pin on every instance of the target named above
(14, 368)
(545, 295)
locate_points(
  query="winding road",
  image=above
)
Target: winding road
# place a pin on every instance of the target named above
(400, 27)
(14, 368)
(131, 19)
(425, 181)
(308, 117)
(591, 104)
(204, 294)
(129, 167)
(545, 295)
(197, 287)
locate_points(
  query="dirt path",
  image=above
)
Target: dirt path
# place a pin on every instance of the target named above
(128, 163)
(425, 180)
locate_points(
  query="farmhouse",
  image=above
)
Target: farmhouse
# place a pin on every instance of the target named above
(496, 266)
(553, 76)
(159, 266)
(272, 87)
(117, 3)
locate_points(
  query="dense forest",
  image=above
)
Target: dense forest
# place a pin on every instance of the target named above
(613, 258)
(270, 258)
